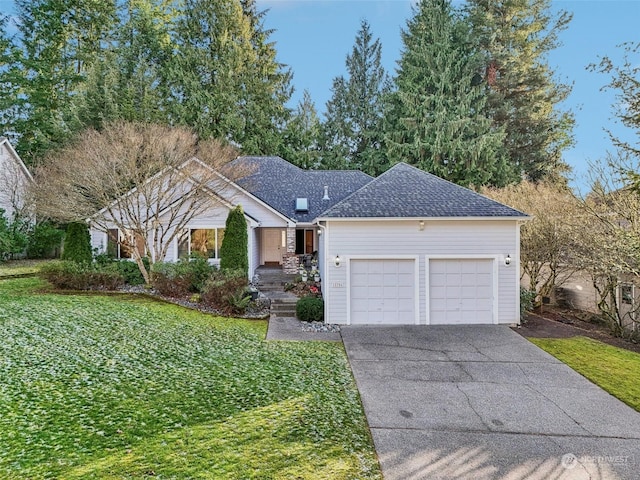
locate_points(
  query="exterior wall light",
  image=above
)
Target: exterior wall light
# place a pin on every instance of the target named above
(337, 261)
(421, 225)
(507, 260)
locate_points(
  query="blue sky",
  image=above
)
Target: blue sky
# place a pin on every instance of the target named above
(314, 37)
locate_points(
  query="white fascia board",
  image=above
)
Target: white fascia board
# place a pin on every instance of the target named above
(17, 158)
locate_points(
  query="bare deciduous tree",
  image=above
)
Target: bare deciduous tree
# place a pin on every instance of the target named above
(546, 241)
(611, 251)
(148, 181)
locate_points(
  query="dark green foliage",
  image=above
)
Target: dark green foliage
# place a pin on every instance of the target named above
(181, 278)
(523, 97)
(128, 270)
(527, 298)
(226, 291)
(234, 253)
(44, 240)
(352, 132)
(435, 120)
(77, 243)
(310, 309)
(13, 236)
(301, 135)
(225, 80)
(69, 275)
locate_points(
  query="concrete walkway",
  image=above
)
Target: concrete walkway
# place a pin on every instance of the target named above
(481, 402)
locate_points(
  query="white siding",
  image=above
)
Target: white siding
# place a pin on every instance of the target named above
(13, 181)
(440, 238)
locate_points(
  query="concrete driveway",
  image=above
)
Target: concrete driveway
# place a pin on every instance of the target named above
(481, 402)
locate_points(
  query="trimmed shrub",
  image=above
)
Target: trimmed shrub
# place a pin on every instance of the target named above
(44, 241)
(68, 275)
(310, 309)
(233, 251)
(130, 271)
(181, 278)
(226, 291)
(77, 243)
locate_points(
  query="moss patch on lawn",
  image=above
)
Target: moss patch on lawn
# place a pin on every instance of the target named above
(106, 387)
(614, 369)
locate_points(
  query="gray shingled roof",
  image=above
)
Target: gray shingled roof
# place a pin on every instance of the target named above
(278, 183)
(405, 191)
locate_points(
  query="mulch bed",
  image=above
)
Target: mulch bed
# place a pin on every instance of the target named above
(559, 323)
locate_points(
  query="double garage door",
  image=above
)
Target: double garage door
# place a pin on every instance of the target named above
(383, 291)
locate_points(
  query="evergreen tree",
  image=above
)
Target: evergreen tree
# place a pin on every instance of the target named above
(353, 128)
(515, 37)
(234, 249)
(301, 135)
(58, 42)
(225, 81)
(77, 243)
(127, 81)
(435, 118)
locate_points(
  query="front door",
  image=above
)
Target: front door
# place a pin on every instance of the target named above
(273, 246)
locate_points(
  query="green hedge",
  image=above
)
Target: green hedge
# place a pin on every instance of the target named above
(310, 309)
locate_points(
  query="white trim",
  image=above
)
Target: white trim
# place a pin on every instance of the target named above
(495, 280)
(416, 269)
(516, 265)
(16, 157)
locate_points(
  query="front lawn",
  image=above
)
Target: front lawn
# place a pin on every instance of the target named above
(21, 267)
(123, 387)
(614, 369)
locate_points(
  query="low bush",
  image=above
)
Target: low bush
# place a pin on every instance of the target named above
(181, 278)
(226, 291)
(44, 241)
(527, 297)
(310, 309)
(68, 275)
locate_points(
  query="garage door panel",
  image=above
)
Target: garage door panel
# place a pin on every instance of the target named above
(460, 291)
(382, 291)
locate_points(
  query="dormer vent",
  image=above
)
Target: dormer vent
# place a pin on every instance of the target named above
(326, 192)
(302, 204)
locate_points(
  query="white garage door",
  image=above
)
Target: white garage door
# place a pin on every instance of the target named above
(461, 291)
(382, 292)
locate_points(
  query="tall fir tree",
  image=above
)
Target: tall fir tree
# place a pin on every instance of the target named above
(128, 80)
(435, 119)
(515, 37)
(58, 41)
(225, 80)
(301, 135)
(353, 127)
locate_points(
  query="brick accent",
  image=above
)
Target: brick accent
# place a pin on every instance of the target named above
(290, 259)
(290, 263)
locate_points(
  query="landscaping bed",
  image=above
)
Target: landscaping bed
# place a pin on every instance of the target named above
(554, 322)
(119, 386)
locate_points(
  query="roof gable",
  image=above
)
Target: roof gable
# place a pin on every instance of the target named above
(404, 191)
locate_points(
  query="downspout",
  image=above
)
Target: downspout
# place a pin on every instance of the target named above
(325, 243)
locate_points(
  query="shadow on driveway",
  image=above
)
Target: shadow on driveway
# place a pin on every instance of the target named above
(481, 402)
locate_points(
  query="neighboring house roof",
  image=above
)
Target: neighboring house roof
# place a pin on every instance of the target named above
(404, 191)
(4, 141)
(279, 183)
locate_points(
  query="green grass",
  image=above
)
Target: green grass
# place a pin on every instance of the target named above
(21, 267)
(614, 369)
(118, 387)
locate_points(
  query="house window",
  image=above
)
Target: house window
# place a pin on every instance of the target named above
(200, 241)
(626, 294)
(121, 244)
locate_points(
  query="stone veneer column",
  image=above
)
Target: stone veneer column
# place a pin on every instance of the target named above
(290, 259)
